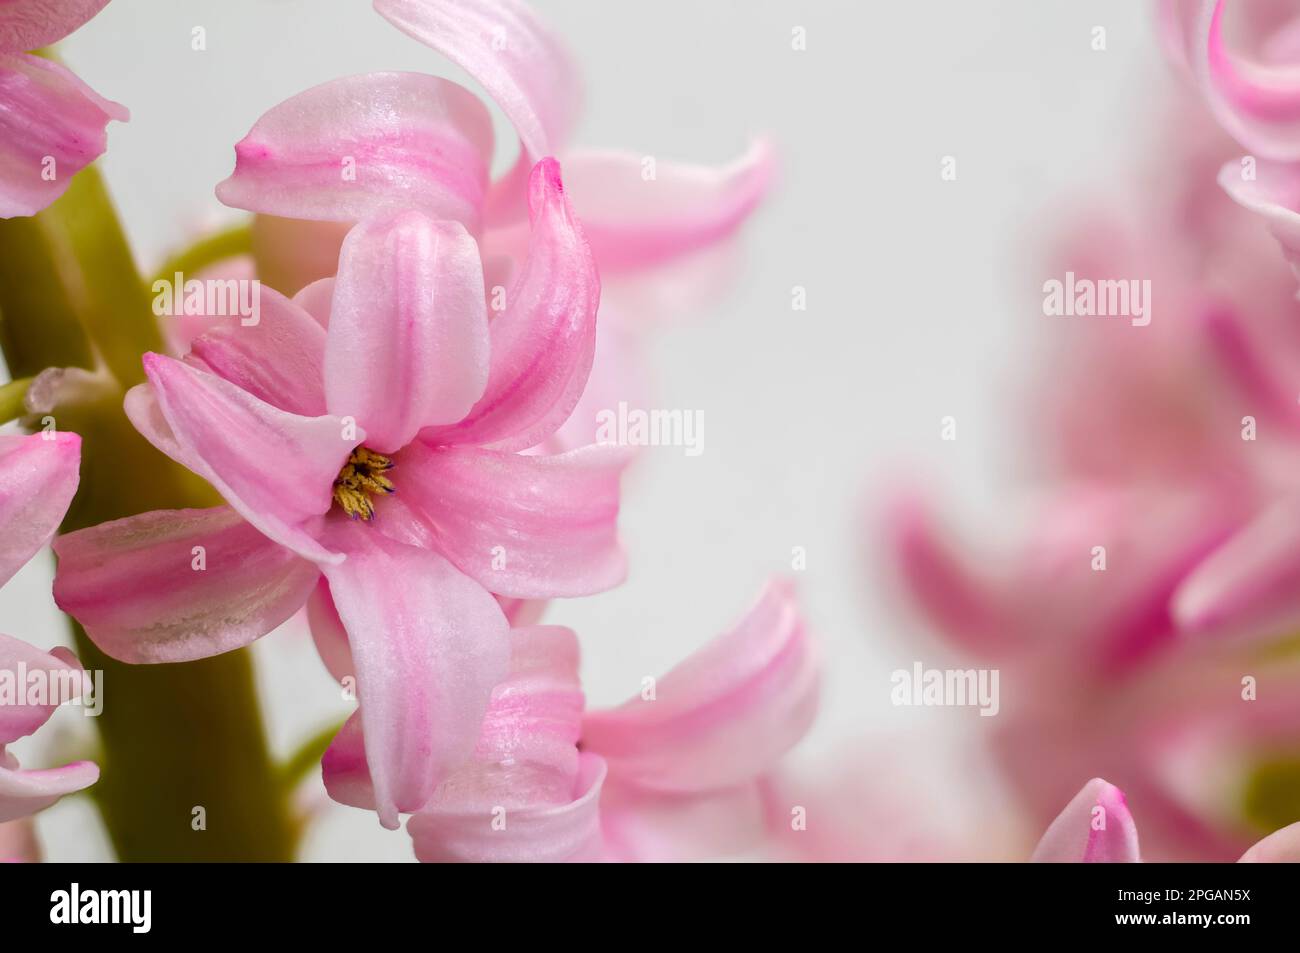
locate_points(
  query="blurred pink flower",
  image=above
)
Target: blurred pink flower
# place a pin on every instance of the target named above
(678, 773)
(1095, 674)
(1103, 671)
(51, 123)
(301, 426)
(876, 801)
(1253, 91)
(1247, 589)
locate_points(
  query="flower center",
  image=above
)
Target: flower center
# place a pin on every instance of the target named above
(361, 478)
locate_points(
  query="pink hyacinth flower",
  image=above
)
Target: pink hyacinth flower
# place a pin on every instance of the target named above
(389, 400)
(658, 778)
(52, 125)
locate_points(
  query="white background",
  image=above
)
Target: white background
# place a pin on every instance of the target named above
(921, 298)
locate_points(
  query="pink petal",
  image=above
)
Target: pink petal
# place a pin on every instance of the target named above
(724, 716)
(542, 834)
(947, 584)
(177, 585)
(352, 147)
(408, 333)
(145, 413)
(1251, 366)
(1280, 847)
(26, 792)
(526, 753)
(524, 526)
(429, 645)
(1255, 100)
(1250, 586)
(505, 47)
(522, 612)
(328, 633)
(543, 342)
(279, 360)
(317, 298)
(38, 479)
(1274, 195)
(618, 375)
(17, 718)
(46, 114)
(1094, 828)
(31, 24)
(277, 469)
(633, 221)
(344, 769)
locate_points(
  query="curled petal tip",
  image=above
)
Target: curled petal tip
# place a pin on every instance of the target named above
(1095, 827)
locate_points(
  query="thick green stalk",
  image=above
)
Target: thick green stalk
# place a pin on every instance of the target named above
(175, 738)
(13, 399)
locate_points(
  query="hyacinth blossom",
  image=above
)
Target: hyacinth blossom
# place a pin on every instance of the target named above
(38, 478)
(1247, 589)
(419, 141)
(389, 451)
(52, 125)
(420, 148)
(1096, 827)
(377, 451)
(674, 773)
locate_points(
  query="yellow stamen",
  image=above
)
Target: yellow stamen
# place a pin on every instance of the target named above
(361, 478)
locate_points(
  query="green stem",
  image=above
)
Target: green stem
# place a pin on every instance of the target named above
(85, 272)
(12, 397)
(175, 738)
(307, 757)
(234, 241)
